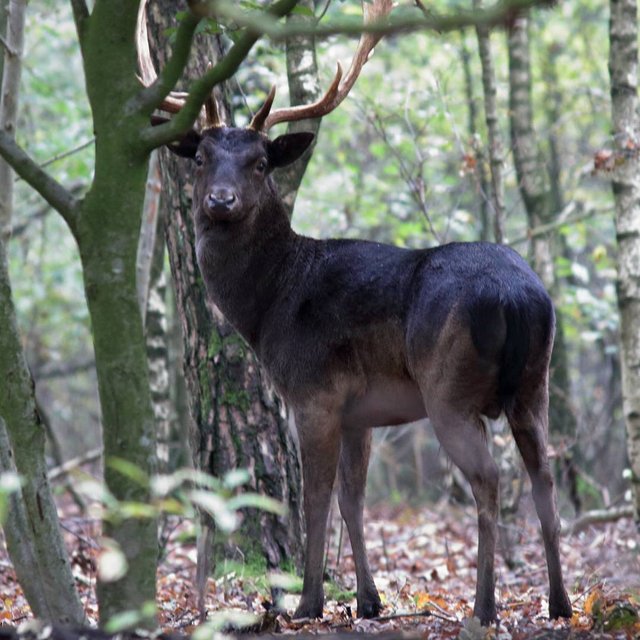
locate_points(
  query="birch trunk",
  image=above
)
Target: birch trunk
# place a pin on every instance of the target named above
(496, 152)
(623, 71)
(480, 172)
(537, 196)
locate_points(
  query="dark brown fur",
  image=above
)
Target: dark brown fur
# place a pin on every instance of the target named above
(358, 334)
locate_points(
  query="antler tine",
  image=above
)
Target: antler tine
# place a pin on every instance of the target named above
(337, 92)
(212, 115)
(316, 109)
(259, 119)
(175, 100)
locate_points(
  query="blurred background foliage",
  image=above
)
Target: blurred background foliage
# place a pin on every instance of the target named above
(396, 163)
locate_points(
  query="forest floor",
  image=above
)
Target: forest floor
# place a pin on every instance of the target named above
(424, 563)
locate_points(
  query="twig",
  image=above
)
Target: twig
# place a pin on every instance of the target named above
(556, 224)
(51, 190)
(8, 48)
(66, 154)
(600, 516)
(62, 155)
(74, 463)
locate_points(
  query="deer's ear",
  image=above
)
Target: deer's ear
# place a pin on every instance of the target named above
(186, 146)
(287, 148)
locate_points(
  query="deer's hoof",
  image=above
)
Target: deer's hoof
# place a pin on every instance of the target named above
(560, 608)
(308, 610)
(369, 608)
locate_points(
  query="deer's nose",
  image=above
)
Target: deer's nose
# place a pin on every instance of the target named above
(220, 199)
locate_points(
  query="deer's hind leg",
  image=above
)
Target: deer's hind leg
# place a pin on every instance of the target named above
(352, 477)
(529, 420)
(461, 434)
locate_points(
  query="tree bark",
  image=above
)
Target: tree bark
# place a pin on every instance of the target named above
(304, 87)
(623, 71)
(34, 540)
(11, 53)
(32, 531)
(480, 173)
(496, 153)
(538, 200)
(152, 289)
(238, 420)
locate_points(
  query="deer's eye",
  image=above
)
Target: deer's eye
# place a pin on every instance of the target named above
(261, 165)
(199, 160)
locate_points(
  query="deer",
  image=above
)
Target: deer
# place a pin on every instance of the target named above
(356, 334)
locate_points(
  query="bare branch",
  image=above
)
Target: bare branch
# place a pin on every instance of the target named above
(599, 516)
(71, 465)
(8, 48)
(49, 188)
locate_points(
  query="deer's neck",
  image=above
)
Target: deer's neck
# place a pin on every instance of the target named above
(246, 265)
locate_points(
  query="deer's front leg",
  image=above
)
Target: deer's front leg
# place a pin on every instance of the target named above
(319, 435)
(352, 474)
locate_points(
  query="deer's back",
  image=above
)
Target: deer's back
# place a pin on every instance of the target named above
(375, 315)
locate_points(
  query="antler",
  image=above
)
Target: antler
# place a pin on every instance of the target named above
(176, 99)
(339, 89)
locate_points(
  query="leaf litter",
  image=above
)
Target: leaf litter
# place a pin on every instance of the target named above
(424, 563)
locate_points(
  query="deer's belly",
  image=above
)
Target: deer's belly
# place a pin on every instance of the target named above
(385, 402)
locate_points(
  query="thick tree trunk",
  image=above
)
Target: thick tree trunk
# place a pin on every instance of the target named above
(109, 264)
(538, 199)
(623, 70)
(107, 228)
(239, 422)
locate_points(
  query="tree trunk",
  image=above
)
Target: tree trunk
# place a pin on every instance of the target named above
(34, 540)
(623, 70)
(152, 289)
(11, 53)
(239, 421)
(480, 173)
(496, 153)
(538, 199)
(32, 531)
(304, 87)
(107, 227)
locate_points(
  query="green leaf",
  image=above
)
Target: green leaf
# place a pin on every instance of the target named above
(130, 470)
(257, 501)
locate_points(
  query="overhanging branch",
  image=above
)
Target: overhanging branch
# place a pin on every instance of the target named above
(152, 96)
(49, 188)
(155, 137)
(402, 20)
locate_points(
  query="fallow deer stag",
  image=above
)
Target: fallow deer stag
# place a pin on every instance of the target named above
(358, 334)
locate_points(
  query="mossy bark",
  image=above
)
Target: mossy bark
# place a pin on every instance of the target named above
(623, 71)
(107, 230)
(32, 533)
(238, 422)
